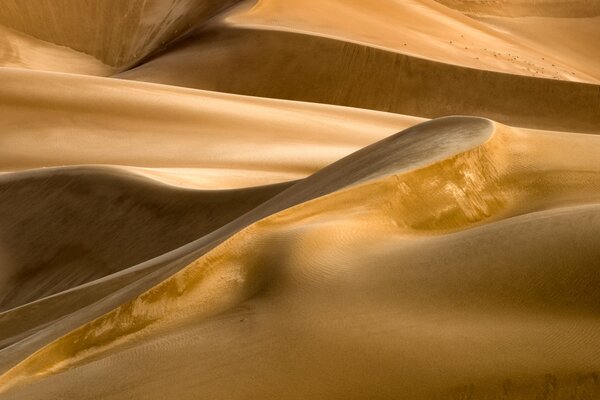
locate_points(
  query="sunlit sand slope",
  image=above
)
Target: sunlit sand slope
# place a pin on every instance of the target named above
(527, 8)
(382, 281)
(51, 119)
(548, 35)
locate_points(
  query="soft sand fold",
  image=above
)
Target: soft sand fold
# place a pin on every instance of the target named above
(406, 150)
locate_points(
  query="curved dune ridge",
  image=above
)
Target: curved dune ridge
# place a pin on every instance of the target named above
(465, 161)
(71, 254)
(299, 199)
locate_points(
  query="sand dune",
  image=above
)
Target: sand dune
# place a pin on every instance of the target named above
(421, 28)
(139, 220)
(278, 65)
(272, 199)
(391, 330)
(546, 33)
(416, 58)
(343, 173)
(437, 157)
(147, 125)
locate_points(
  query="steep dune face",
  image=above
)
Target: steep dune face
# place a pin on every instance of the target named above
(116, 32)
(250, 201)
(391, 209)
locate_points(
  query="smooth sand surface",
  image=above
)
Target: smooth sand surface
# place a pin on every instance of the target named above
(295, 66)
(272, 200)
(526, 8)
(19, 50)
(421, 28)
(241, 141)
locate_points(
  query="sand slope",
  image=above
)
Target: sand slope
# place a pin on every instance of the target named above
(116, 32)
(18, 50)
(239, 141)
(421, 28)
(524, 8)
(278, 65)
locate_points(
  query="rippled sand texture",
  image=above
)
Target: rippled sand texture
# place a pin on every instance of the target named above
(300, 199)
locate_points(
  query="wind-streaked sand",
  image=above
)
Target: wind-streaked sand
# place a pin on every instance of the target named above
(268, 200)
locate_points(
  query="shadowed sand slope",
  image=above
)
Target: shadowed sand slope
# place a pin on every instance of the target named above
(116, 32)
(401, 205)
(316, 69)
(63, 227)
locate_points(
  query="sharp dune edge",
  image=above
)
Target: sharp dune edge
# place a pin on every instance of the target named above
(269, 199)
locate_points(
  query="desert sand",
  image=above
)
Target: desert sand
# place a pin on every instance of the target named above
(300, 199)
